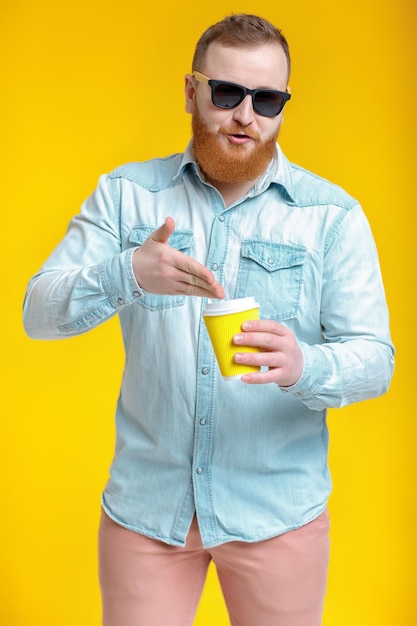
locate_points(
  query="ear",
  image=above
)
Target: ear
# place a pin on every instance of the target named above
(189, 93)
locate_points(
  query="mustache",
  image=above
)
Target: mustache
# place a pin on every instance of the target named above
(238, 130)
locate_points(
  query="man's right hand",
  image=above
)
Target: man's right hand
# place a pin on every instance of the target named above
(160, 269)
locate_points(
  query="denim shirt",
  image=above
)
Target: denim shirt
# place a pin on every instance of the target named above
(249, 460)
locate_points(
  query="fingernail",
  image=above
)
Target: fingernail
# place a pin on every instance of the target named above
(238, 357)
(246, 325)
(238, 339)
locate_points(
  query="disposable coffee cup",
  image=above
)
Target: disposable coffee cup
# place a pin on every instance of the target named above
(223, 320)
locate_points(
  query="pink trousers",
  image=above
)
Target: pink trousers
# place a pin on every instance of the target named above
(277, 582)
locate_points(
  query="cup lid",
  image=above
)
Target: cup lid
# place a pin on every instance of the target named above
(223, 307)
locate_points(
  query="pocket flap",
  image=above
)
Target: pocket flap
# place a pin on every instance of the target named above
(273, 256)
(180, 239)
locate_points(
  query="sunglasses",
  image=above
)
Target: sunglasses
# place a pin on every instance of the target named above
(267, 102)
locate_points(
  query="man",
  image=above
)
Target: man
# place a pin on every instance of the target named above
(205, 469)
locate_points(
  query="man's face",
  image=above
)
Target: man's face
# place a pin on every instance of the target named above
(235, 145)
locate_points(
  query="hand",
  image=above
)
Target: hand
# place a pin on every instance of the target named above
(160, 269)
(279, 351)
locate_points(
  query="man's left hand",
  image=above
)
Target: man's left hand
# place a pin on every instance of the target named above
(279, 351)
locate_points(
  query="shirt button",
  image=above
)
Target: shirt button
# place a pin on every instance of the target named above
(205, 371)
(120, 301)
(203, 421)
(214, 267)
(271, 261)
(136, 294)
(221, 218)
(199, 470)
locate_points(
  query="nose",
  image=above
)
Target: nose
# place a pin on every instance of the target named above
(244, 113)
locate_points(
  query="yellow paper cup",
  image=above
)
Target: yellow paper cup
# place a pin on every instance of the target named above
(223, 320)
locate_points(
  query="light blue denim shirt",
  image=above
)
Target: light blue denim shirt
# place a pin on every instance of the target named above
(250, 460)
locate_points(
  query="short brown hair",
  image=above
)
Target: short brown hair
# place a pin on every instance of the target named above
(239, 30)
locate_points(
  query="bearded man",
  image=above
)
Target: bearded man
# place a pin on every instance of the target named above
(208, 469)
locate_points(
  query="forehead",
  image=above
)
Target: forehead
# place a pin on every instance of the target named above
(254, 66)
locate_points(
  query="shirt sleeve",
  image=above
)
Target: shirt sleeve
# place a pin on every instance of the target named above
(356, 360)
(88, 278)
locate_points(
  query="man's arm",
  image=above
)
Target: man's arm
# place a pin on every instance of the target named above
(89, 278)
(356, 359)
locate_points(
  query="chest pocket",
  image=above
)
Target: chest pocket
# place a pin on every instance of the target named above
(181, 240)
(273, 274)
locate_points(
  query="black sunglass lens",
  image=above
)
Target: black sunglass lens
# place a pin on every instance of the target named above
(268, 103)
(227, 96)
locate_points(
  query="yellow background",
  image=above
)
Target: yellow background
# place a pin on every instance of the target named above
(88, 85)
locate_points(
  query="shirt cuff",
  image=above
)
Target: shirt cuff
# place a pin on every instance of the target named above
(119, 281)
(316, 371)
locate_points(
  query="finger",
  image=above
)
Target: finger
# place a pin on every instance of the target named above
(263, 340)
(259, 359)
(276, 372)
(184, 275)
(259, 378)
(194, 286)
(216, 291)
(265, 326)
(196, 275)
(163, 233)
(193, 271)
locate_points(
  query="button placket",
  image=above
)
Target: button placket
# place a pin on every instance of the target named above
(205, 401)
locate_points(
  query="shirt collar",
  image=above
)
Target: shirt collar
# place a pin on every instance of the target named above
(278, 173)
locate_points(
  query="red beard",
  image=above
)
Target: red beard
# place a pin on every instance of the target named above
(234, 163)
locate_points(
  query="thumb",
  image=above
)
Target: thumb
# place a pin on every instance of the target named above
(163, 233)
